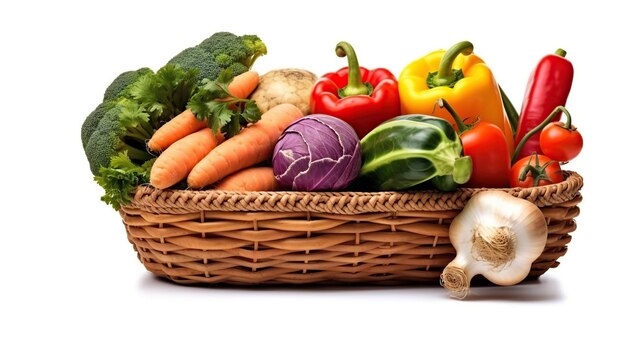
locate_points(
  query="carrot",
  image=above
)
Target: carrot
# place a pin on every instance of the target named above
(176, 161)
(244, 84)
(253, 145)
(175, 129)
(187, 123)
(250, 179)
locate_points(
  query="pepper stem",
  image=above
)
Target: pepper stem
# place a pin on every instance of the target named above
(445, 76)
(538, 128)
(560, 52)
(442, 103)
(355, 84)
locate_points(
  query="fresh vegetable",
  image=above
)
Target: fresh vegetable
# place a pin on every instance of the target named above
(117, 90)
(139, 102)
(496, 235)
(118, 87)
(164, 95)
(548, 87)
(120, 178)
(486, 144)
(253, 145)
(409, 150)
(363, 98)
(91, 121)
(460, 77)
(535, 170)
(122, 132)
(175, 163)
(317, 152)
(123, 129)
(222, 103)
(287, 85)
(175, 129)
(223, 50)
(250, 179)
(561, 141)
(186, 122)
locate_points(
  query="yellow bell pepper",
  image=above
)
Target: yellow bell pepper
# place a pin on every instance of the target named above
(464, 81)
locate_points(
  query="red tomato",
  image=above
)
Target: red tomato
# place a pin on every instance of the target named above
(535, 170)
(486, 144)
(560, 143)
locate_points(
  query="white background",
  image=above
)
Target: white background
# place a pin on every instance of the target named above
(71, 281)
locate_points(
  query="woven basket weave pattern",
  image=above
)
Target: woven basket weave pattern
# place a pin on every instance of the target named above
(296, 237)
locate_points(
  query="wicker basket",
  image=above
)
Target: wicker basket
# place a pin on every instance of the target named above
(296, 237)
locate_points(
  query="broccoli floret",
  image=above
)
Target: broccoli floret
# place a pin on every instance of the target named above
(256, 45)
(229, 48)
(118, 86)
(91, 122)
(222, 50)
(123, 128)
(198, 58)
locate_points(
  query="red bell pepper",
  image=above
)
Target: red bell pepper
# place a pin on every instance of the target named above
(486, 144)
(361, 97)
(548, 87)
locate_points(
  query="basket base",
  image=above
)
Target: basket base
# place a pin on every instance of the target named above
(213, 237)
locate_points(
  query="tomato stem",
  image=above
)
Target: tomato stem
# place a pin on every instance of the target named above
(538, 172)
(538, 128)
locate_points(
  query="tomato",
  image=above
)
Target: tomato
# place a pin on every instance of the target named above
(535, 170)
(486, 144)
(560, 143)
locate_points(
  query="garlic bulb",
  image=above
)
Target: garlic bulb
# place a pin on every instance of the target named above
(496, 235)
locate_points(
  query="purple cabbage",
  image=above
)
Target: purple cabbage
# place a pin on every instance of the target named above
(317, 152)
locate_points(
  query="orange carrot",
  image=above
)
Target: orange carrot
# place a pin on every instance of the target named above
(253, 145)
(186, 123)
(243, 84)
(250, 179)
(176, 161)
(178, 127)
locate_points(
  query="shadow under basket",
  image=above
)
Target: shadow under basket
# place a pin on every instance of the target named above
(211, 237)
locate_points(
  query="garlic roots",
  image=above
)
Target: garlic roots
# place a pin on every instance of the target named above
(496, 235)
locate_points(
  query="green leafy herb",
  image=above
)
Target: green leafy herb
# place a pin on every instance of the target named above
(223, 111)
(120, 178)
(165, 94)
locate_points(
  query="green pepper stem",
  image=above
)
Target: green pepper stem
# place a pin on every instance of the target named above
(355, 84)
(442, 103)
(560, 52)
(538, 128)
(445, 76)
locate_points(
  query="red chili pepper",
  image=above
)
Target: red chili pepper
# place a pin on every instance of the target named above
(548, 87)
(486, 144)
(361, 97)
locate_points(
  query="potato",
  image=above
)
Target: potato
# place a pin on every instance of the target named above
(287, 85)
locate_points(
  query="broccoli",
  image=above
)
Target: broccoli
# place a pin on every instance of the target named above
(91, 122)
(222, 50)
(116, 90)
(199, 59)
(123, 128)
(118, 86)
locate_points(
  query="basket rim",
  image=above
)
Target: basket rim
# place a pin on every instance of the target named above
(150, 199)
